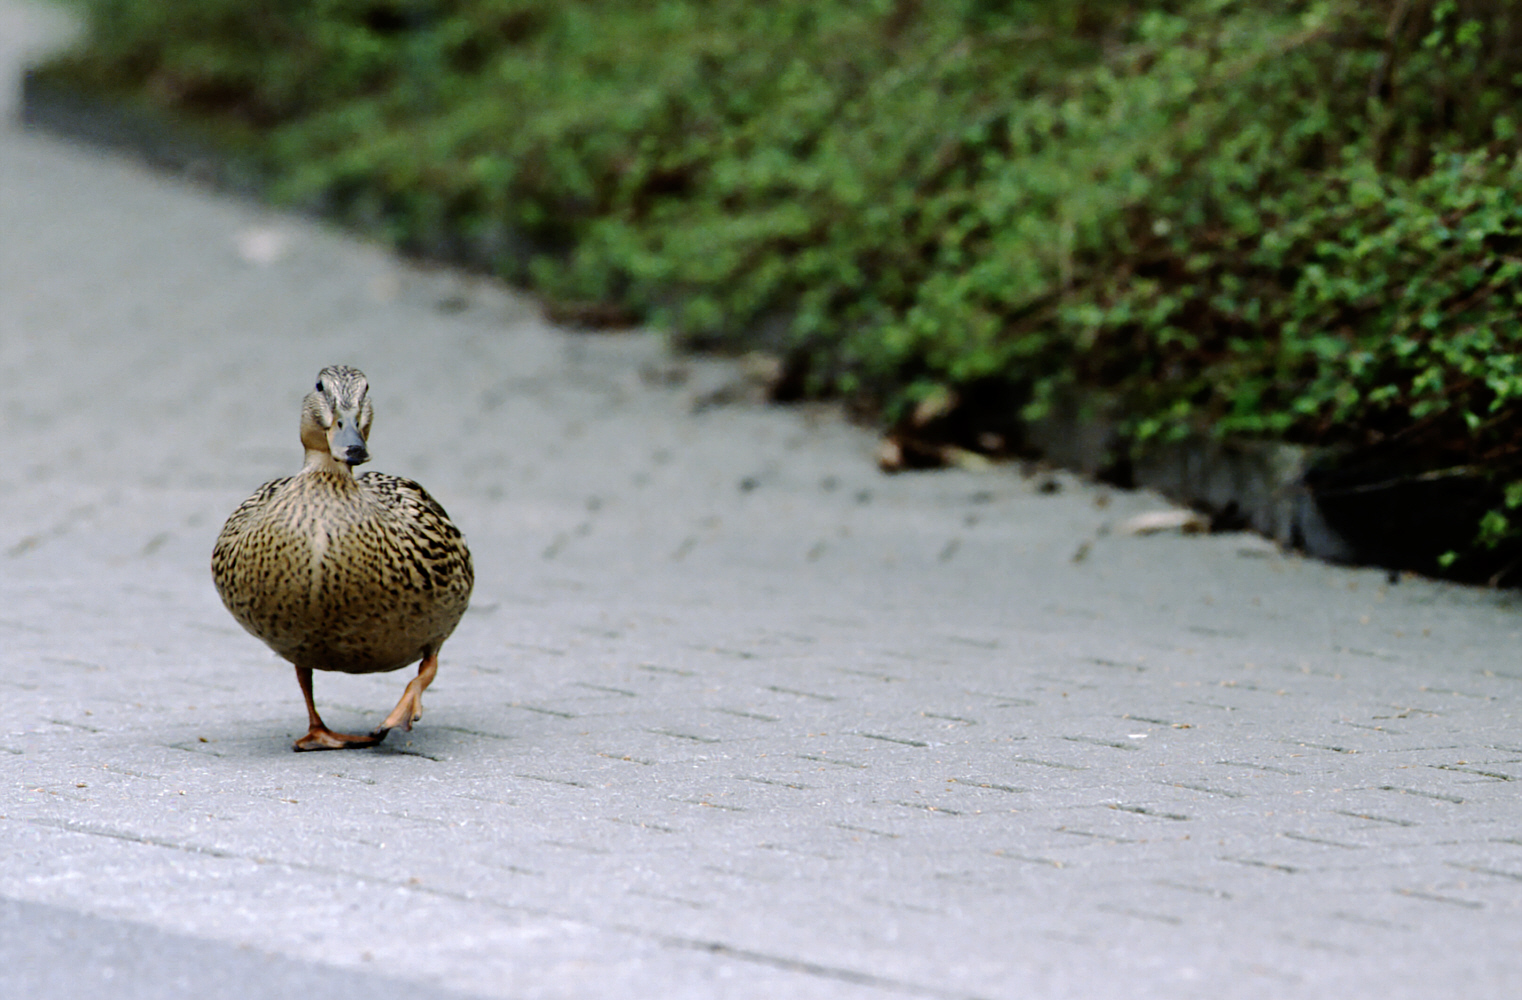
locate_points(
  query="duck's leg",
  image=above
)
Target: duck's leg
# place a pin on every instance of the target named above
(410, 708)
(319, 736)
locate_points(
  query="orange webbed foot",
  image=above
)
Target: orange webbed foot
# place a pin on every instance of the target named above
(410, 708)
(406, 712)
(322, 738)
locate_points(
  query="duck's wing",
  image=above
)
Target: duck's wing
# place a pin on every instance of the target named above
(248, 510)
(431, 534)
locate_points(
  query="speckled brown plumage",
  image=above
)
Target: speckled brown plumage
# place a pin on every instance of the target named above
(338, 572)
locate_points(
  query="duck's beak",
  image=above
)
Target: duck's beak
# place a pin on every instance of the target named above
(344, 440)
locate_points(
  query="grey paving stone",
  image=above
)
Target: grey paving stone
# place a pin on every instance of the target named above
(732, 715)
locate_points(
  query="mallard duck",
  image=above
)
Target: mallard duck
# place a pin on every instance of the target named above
(342, 572)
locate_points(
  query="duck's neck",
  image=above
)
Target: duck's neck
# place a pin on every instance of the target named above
(322, 463)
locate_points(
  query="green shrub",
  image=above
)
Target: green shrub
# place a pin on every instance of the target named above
(1296, 220)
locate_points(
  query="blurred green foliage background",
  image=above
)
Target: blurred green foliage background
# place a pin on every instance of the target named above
(1292, 220)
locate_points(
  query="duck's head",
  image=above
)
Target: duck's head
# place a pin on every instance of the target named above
(335, 418)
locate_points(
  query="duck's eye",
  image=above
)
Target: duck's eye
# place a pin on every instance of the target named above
(319, 386)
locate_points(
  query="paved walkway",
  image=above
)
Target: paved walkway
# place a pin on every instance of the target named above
(733, 714)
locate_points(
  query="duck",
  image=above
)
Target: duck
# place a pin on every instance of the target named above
(333, 571)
